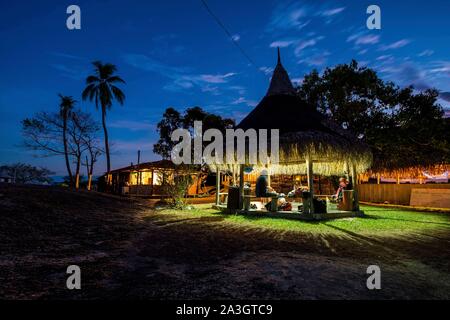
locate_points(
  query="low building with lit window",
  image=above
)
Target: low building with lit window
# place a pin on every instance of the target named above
(148, 178)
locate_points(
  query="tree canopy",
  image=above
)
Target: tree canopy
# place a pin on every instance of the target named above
(25, 173)
(75, 135)
(172, 120)
(404, 127)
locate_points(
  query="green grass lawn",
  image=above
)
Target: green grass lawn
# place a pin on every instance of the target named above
(378, 220)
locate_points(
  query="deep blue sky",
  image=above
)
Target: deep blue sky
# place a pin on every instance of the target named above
(172, 53)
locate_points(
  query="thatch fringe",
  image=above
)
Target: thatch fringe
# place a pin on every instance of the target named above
(409, 173)
(331, 155)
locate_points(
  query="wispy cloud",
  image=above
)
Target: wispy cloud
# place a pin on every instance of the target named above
(266, 70)
(209, 78)
(384, 57)
(426, 53)
(331, 12)
(395, 45)
(236, 37)
(361, 38)
(289, 16)
(242, 100)
(214, 90)
(70, 69)
(73, 72)
(363, 51)
(301, 45)
(408, 74)
(183, 78)
(178, 85)
(282, 43)
(296, 15)
(442, 67)
(66, 55)
(369, 39)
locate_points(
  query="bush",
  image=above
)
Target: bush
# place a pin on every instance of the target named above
(177, 189)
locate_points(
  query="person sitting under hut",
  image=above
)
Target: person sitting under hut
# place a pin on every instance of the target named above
(263, 190)
(297, 191)
(343, 185)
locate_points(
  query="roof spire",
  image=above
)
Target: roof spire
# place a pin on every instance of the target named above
(280, 82)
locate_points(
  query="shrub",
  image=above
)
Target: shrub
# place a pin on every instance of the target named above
(177, 189)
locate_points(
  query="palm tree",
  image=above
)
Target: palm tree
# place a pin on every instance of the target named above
(101, 88)
(65, 110)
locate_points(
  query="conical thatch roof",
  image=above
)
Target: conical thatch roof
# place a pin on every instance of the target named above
(304, 132)
(280, 82)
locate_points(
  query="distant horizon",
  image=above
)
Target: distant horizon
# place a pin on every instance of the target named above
(175, 55)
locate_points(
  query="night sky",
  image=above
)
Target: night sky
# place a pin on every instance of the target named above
(173, 53)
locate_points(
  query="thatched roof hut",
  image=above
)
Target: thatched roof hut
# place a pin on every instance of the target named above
(305, 133)
(309, 142)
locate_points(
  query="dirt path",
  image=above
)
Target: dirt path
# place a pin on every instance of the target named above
(128, 251)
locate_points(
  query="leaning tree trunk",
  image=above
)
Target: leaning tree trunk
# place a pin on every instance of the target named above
(105, 131)
(66, 153)
(89, 186)
(89, 173)
(77, 173)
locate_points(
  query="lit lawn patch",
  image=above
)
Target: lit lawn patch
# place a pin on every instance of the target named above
(378, 221)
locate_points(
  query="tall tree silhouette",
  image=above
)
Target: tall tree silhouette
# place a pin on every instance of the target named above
(66, 106)
(101, 88)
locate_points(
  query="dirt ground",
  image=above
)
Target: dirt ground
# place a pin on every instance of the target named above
(127, 250)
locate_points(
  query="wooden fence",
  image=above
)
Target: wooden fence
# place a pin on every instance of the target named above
(393, 193)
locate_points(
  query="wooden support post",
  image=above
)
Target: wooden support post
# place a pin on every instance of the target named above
(378, 178)
(138, 167)
(347, 171)
(153, 184)
(355, 189)
(130, 177)
(138, 176)
(309, 171)
(218, 186)
(320, 186)
(241, 186)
